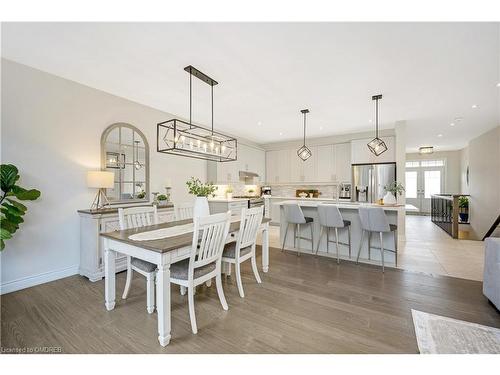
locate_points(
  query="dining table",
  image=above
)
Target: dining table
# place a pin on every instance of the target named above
(162, 252)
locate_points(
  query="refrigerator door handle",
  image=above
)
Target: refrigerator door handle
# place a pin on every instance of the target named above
(370, 186)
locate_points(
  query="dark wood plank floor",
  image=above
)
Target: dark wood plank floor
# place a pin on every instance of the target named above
(304, 305)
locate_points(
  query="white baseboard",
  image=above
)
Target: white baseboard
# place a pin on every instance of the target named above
(26, 282)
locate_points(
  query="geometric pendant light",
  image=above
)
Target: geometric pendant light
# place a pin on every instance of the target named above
(376, 145)
(304, 152)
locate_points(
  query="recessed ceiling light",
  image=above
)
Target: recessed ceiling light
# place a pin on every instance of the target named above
(259, 123)
(320, 128)
(440, 135)
(498, 84)
(281, 133)
(452, 124)
(370, 121)
(474, 106)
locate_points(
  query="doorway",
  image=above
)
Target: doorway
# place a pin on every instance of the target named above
(423, 178)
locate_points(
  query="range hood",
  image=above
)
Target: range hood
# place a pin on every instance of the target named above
(248, 177)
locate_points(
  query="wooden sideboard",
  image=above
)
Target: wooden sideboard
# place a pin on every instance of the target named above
(94, 222)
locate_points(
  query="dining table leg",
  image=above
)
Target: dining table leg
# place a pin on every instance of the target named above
(163, 303)
(109, 276)
(265, 247)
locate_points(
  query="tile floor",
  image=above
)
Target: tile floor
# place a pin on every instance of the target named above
(430, 250)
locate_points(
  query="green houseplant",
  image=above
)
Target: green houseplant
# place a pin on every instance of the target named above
(463, 205)
(393, 190)
(201, 191)
(12, 211)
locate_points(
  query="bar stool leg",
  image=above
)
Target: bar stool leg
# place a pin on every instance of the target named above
(349, 239)
(298, 247)
(382, 250)
(312, 238)
(294, 236)
(360, 244)
(319, 239)
(369, 245)
(396, 247)
(327, 239)
(284, 239)
(337, 243)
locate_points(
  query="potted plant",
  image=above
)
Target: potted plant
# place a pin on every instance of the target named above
(393, 190)
(463, 204)
(12, 211)
(162, 199)
(201, 191)
(229, 192)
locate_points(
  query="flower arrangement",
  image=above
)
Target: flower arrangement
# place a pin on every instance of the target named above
(395, 188)
(196, 187)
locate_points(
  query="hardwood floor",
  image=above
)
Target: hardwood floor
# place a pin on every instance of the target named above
(304, 305)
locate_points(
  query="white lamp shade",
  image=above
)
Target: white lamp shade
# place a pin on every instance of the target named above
(100, 179)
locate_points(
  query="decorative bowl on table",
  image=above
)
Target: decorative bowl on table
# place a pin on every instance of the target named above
(303, 195)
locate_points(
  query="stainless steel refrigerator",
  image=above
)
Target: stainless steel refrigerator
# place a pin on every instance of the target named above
(369, 180)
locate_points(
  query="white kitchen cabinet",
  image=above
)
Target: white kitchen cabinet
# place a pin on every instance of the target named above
(342, 156)
(360, 154)
(326, 165)
(249, 159)
(278, 166)
(303, 171)
(234, 206)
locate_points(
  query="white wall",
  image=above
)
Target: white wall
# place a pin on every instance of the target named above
(452, 168)
(484, 181)
(51, 129)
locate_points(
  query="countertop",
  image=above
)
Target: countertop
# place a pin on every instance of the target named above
(311, 202)
(225, 200)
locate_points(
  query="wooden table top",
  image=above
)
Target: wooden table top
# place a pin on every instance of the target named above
(163, 245)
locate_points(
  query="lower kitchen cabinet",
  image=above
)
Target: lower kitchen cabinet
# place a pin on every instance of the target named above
(234, 207)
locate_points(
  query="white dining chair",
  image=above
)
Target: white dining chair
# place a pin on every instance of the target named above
(204, 263)
(135, 217)
(374, 220)
(183, 211)
(236, 252)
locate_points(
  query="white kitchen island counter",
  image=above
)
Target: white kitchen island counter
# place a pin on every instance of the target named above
(349, 211)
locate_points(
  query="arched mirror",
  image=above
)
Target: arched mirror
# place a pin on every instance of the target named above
(125, 152)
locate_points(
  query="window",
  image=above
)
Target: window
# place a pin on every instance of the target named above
(412, 164)
(432, 183)
(411, 184)
(432, 163)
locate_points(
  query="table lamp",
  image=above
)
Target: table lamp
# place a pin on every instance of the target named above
(100, 180)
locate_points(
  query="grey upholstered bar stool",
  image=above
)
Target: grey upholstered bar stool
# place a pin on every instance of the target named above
(295, 216)
(330, 217)
(373, 220)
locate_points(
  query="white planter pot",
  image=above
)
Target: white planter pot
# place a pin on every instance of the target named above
(201, 207)
(389, 198)
(229, 195)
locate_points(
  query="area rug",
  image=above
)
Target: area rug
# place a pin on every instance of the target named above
(441, 335)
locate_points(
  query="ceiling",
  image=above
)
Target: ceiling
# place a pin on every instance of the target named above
(429, 73)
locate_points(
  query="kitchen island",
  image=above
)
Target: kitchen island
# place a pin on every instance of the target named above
(349, 211)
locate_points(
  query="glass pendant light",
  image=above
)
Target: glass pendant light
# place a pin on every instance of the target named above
(376, 145)
(303, 152)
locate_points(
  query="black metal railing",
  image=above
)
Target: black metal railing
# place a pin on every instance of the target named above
(445, 212)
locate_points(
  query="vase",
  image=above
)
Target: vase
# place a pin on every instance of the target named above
(201, 207)
(229, 195)
(389, 198)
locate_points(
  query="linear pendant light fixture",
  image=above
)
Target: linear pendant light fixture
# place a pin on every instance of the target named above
(376, 145)
(181, 138)
(303, 152)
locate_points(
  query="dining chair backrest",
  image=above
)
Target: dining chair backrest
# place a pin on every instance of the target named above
(329, 216)
(209, 238)
(135, 217)
(251, 218)
(293, 213)
(183, 211)
(374, 219)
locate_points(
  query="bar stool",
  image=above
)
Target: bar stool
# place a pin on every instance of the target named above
(330, 217)
(295, 216)
(373, 220)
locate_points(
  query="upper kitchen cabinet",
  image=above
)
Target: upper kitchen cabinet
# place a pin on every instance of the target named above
(342, 155)
(303, 171)
(278, 166)
(360, 154)
(250, 159)
(326, 163)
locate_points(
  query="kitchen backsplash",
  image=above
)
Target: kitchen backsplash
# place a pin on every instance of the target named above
(239, 189)
(326, 191)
